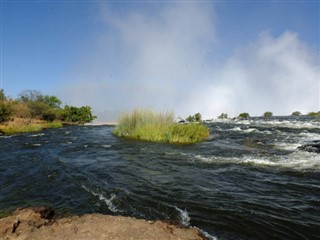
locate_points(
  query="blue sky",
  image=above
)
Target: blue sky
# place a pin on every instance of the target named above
(185, 56)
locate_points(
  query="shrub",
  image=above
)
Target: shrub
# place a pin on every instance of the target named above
(195, 118)
(296, 113)
(2, 95)
(37, 109)
(21, 110)
(244, 115)
(6, 111)
(314, 114)
(79, 115)
(158, 127)
(223, 116)
(268, 114)
(49, 115)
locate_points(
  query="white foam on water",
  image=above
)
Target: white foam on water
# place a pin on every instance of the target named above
(290, 124)
(235, 129)
(287, 146)
(36, 144)
(249, 130)
(184, 216)
(307, 136)
(298, 160)
(37, 135)
(107, 201)
(207, 235)
(4, 136)
(106, 146)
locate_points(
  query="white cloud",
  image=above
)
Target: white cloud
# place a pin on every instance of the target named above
(160, 59)
(280, 74)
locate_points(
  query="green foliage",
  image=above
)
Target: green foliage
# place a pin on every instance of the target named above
(244, 115)
(37, 109)
(2, 96)
(49, 115)
(158, 127)
(6, 111)
(314, 114)
(296, 113)
(195, 118)
(21, 110)
(79, 115)
(52, 101)
(268, 114)
(223, 116)
(48, 108)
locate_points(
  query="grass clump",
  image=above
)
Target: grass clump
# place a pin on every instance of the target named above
(13, 129)
(150, 126)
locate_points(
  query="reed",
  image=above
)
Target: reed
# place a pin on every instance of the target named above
(150, 126)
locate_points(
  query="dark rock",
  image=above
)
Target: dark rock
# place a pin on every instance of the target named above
(15, 226)
(313, 146)
(45, 212)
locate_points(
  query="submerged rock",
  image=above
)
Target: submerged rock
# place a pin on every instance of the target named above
(37, 223)
(313, 146)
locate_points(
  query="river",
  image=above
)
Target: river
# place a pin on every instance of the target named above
(248, 181)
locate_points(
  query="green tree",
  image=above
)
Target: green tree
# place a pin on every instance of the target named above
(79, 115)
(198, 117)
(6, 111)
(244, 115)
(223, 116)
(2, 96)
(296, 113)
(52, 101)
(194, 118)
(37, 108)
(190, 118)
(268, 114)
(49, 115)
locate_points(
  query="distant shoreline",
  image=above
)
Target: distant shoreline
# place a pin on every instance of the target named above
(109, 123)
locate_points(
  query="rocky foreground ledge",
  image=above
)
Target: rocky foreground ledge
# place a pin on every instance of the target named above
(40, 223)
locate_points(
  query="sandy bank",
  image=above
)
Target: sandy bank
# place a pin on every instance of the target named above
(39, 223)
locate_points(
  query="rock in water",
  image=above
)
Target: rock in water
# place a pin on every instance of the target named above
(45, 212)
(313, 146)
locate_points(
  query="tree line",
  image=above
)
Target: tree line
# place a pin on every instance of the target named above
(32, 104)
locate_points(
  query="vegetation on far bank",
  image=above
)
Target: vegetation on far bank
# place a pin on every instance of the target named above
(32, 111)
(150, 126)
(269, 114)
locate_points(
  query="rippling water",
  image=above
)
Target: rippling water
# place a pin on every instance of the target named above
(248, 181)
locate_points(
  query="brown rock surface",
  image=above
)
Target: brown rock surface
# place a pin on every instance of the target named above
(28, 224)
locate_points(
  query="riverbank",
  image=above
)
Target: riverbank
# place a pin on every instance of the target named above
(22, 125)
(40, 223)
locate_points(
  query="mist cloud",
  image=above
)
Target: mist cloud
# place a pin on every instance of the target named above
(162, 59)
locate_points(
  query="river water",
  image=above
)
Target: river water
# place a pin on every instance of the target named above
(248, 181)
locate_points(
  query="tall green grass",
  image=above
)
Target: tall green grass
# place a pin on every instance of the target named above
(147, 125)
(9, 130)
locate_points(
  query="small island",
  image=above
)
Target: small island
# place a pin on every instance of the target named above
(147, 125)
